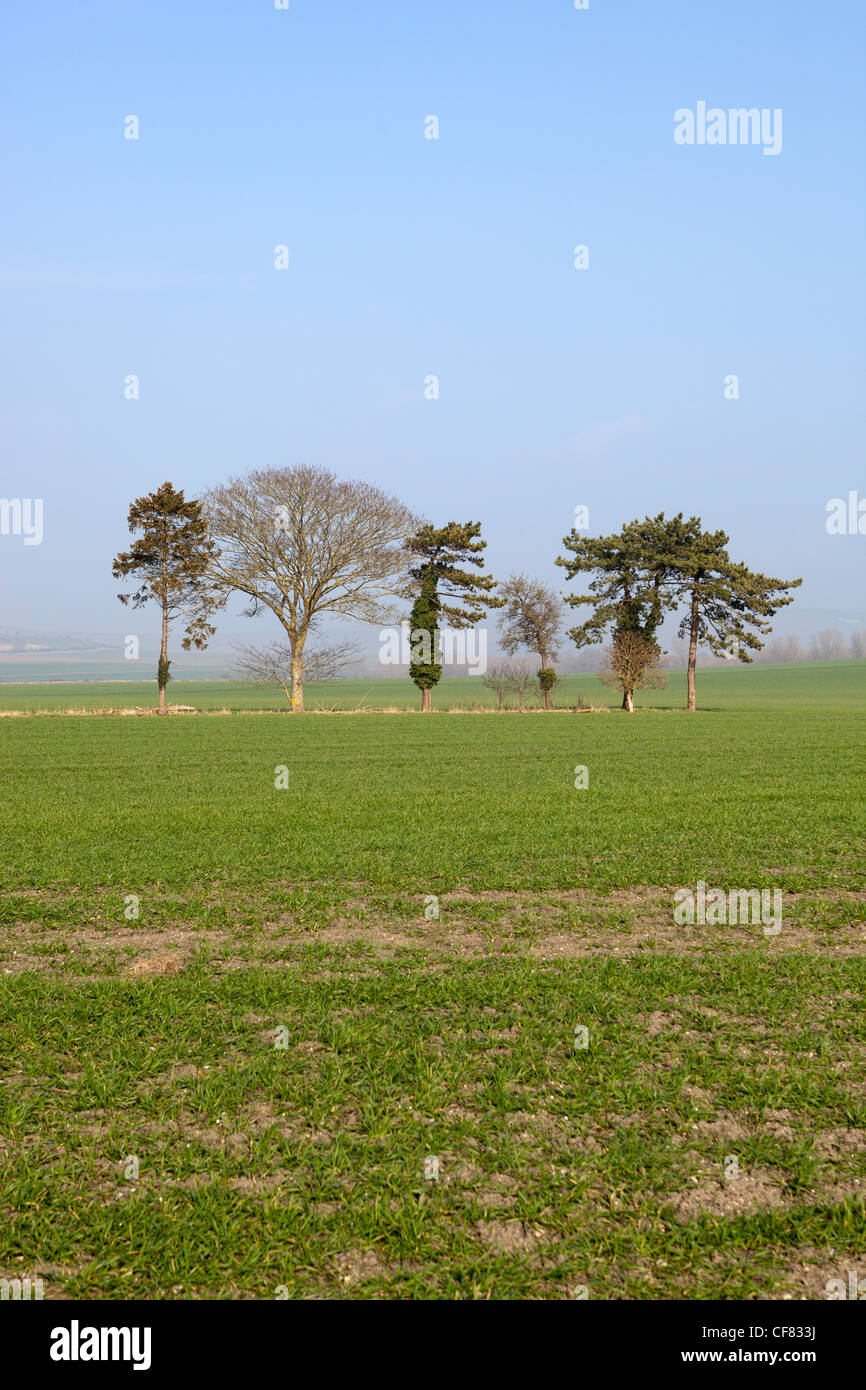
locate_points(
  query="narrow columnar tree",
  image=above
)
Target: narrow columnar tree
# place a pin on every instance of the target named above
(171, 559)
(532, 619)
(304, 544)
(444, 588)
(425, 665)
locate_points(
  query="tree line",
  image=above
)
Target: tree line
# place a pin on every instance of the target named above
(827, 645)
(307, 546)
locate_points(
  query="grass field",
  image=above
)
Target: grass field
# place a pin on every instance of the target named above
(820, 684)
(234, 1092)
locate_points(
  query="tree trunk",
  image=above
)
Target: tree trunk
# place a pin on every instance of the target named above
(426, 706)
(297, 679)
(542, 657)
(693, 652)
(163, 656)
(628, 701)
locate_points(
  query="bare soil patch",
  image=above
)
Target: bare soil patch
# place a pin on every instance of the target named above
(572, 924)
(355, 1266)
(811, 1274)
(509, 1237)
(742, 1196)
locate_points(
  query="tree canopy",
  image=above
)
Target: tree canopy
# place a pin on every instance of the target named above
(532, 618)
(304, 544)
(651, 567)
(171, 559)
(437, 556)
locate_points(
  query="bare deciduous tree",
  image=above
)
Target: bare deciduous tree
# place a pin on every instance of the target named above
(633, 663)
(520, 680)
(783, 649)
(497, 678)
(531, 618)
(304, 543)
(272, 665)
(828, 645)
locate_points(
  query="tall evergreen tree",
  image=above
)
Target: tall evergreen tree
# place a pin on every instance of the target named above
(170, 558)
(655, 564)
(724, 600)
(628, 593)
(444, 588)
(425, 667)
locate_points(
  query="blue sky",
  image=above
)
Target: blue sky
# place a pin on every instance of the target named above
(453, 257)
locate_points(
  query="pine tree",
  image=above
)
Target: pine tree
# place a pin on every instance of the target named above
(655, 564)
(724, 600)
(444, 589)
(425, 668)
(171, 558)
(628, 593)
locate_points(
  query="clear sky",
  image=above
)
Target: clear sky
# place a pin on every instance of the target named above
(411, 257)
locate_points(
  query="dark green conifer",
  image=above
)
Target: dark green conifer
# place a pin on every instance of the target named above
(444, 589)
(171, 559)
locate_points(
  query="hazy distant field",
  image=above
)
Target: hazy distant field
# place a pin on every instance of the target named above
(836, 684)
(281, 1037)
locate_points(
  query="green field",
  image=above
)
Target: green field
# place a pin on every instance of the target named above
(280, 1038)
(820, 684)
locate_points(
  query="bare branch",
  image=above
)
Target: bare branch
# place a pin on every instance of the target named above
(633, 662)
(532, 618)
(304, 543)
(272, 665)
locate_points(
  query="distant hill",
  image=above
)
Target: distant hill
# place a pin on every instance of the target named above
(18, 640)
